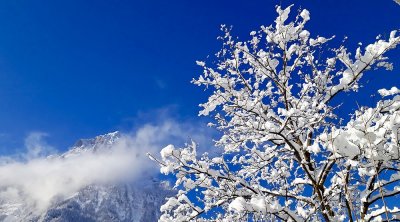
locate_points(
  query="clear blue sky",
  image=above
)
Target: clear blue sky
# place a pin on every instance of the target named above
(81, 68)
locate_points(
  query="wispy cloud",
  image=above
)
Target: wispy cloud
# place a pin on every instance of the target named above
(37, 179)
(37, 146)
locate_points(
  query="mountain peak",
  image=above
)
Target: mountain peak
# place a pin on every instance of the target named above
(105, 139)
(120, 201)
(94, 144)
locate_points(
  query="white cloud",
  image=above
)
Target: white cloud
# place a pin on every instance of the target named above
(38, 180)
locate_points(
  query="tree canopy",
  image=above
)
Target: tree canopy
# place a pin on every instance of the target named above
(286, 153)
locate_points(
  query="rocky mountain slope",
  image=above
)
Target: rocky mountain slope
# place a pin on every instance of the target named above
(136, 201)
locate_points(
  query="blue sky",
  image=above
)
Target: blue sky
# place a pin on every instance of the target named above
(76, 68)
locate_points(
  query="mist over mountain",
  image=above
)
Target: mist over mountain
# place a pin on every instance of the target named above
(96, 180)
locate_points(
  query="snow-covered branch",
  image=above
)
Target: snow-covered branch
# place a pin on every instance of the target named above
(285, 155)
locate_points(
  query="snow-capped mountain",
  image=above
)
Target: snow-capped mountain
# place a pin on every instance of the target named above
(133, 201)
(122, 202)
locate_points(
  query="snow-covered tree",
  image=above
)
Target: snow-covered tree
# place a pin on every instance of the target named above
(287, 155)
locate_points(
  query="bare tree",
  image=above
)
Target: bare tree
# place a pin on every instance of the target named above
(286, 153)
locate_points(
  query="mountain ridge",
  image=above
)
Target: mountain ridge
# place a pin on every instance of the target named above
(138, 201)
